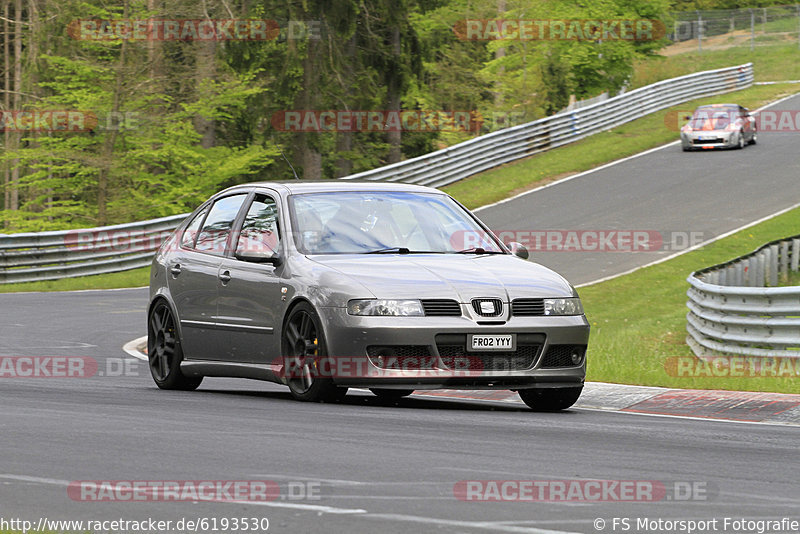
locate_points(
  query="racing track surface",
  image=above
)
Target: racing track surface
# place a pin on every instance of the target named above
(393, 468)
(666, 191)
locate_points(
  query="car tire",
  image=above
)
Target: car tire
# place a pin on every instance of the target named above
(391, 395)
(550, 399)
(686, 149)
(740, 143)
(164, 352)
(305, 351)
(754, 140)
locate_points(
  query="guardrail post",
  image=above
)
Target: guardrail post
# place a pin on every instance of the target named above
(772, 279)
(732, 275)
(795, 254)
(784, 268)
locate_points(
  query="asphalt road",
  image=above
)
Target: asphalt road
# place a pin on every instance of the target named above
(376, 468)
(682, 197)
(370, 467)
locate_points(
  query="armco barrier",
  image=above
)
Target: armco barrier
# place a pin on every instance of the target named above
(52, 255)
(736, 307)
(64, 254)
(503, 146)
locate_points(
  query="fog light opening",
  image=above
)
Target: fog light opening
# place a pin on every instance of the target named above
(384, 358)
(577, 357)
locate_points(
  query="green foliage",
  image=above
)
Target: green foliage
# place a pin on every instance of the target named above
(170, 122)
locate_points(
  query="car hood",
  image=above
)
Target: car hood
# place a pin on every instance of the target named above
(452, 276)
(710, 132)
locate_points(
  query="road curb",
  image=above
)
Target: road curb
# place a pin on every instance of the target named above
(717, 405)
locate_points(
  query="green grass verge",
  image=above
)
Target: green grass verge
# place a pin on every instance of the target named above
(626, 140)
(639, 320)
(134, 278)
(770, 63)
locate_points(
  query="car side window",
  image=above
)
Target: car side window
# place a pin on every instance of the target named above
(218, 224)
(260, 229)
(187, 239)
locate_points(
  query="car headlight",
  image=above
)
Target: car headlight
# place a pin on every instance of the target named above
(406, 308)
(568, 306)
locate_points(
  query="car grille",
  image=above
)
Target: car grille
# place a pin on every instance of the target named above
(497, 307)
(561, 355)
(453, 352)
(714, 141)
(402, 357)
(441, 308)
(527, 307)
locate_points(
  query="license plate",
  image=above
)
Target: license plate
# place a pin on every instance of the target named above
(502, 342)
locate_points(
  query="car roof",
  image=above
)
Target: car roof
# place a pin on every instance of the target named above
(719, 106)
(326, 186)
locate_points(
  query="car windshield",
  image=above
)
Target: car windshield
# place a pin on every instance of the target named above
(711, 119)
(354, 222)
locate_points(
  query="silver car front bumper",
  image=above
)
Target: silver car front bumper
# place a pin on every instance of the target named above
(431, 353)
(709, 139)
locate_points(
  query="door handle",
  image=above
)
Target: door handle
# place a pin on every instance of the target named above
(225, 277)
(175, 269)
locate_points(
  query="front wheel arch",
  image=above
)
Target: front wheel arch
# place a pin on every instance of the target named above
(169, 375)
(317, 388)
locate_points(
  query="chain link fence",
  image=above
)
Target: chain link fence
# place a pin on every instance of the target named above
(723, 28)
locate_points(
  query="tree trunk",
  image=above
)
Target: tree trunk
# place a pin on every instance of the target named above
(499, 53)
(310, 158)
(107, 155)
(205, 69)
(154, 48)
(6, 103)
(17, 104)
(395, 138)
(344, 139)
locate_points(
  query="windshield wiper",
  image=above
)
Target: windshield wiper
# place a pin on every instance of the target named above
(478, 250)
(390, 250)
(400, 250)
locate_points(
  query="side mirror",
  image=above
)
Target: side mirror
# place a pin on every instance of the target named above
(687, 117)
(518, 249)
(262, 255)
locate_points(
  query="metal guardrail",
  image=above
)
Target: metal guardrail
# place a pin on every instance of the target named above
(735, 307)
(457, 162)
(36, 256)
(55, 255)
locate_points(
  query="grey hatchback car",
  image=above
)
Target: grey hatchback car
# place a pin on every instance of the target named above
(323, 286)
